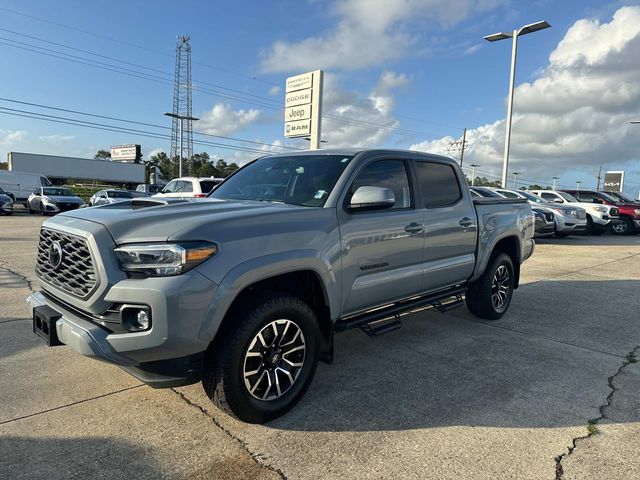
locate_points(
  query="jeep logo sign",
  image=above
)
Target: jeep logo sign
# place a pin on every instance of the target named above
(614, 181)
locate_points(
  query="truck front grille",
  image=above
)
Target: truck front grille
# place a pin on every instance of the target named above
(581, 214)
(548, 216)
(65, 262)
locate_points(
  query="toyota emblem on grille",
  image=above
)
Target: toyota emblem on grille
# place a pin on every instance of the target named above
(55, 255)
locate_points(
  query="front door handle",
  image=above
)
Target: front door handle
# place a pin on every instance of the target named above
(466, 222)
(414, 227)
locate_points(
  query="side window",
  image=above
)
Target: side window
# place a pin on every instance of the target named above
(439, 184)
(187, 186)
(171, 187)
(508, 194)
(548, 196)
(587, 197)
(387, 174)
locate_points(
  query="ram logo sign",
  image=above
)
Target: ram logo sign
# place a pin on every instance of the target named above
(614, 181)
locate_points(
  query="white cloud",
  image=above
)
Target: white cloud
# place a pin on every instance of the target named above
(352, 119)
(10, 137)
(575, 115)
(472, 49)
(223, 120)
(275, 90)
(56, 138)
(370, 34)
(153, 152)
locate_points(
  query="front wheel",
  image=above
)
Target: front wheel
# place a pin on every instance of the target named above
(490, 295)
(623, 227)
(266, 361)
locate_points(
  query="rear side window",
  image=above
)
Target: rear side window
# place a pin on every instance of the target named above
(187, 186)
(587, 197)
(509, 194)
(439, 184)
(207, 185)
(387, 174)
(548, 196)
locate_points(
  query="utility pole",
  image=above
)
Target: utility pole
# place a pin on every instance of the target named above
(473, 173)
(515, 180)
(459, 145)
(599, 172)
(554, 183)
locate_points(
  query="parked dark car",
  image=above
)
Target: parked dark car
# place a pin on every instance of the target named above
(6, 203)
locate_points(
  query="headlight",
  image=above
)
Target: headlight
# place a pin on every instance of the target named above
(47, 201)
(637, 211)
(602, 209)
(163, 259)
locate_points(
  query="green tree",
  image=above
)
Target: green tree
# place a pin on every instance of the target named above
(533, 186)
(162, 161)
(485, 182)
(102, 155)
(207, 170)
(4, 165)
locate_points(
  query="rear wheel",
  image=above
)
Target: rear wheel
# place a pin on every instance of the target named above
(489, 297)
(263, 365)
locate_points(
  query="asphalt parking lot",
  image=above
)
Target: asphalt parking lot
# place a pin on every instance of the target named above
(549, 391)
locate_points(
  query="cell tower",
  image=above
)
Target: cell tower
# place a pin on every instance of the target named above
(182, 124)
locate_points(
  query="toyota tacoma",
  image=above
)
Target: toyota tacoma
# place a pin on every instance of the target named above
(244, 290)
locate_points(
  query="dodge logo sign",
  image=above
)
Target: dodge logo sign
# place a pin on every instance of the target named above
(55, 255)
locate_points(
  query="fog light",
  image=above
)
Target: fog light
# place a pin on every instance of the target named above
(136, 319)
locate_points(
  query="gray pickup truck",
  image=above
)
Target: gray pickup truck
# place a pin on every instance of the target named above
(244, 290)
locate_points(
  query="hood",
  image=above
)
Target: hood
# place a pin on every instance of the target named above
(161, 219)
(61, 199)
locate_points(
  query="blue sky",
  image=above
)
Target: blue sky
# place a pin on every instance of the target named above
(403, 73)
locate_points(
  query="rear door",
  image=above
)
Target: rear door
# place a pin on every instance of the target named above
(382, 249)
(450, 222)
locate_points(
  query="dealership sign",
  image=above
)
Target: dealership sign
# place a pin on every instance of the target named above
(614, 181)
(125, 153)
(303, 107)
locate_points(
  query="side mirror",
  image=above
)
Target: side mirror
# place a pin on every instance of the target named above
(372, 198)
(558, 200)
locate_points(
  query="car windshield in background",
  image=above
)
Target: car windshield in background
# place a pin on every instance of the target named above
(58, 192)
(609, 198)
(568, 197)
(137, 194)
(117, 194)
(207, 185)
(305, 180)
(532, 197)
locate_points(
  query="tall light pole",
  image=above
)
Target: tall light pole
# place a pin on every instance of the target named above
(578, 182)
(533, 27)
(182, 118)
(554, 183)
(473, 173)
(515, 180)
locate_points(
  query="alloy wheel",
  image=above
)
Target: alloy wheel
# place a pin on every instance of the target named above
(274, 360)
(619, 228)
(500, 286)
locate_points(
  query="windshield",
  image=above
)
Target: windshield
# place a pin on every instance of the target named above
(568, 197)
(58, 192)
(117, 194)
(532, 197)
(207, 185)
(608, 197)
(305, 180)
(622, 197)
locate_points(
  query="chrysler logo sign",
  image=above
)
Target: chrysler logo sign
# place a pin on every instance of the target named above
(55, 255)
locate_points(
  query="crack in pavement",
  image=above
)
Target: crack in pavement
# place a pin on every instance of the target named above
(594, 421)
(70, 404)
(258, 458)
(28, 282)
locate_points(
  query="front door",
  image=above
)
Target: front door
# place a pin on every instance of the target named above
(382, 250)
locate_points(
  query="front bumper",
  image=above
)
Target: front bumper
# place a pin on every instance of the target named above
(60, 207)
(570, 224)
(168, 354)
(6, 208)
(544, 229)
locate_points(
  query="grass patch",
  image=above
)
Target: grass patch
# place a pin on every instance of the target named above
(631, 358)
(592, 427)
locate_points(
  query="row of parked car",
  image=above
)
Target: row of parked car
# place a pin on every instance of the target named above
(568, 212)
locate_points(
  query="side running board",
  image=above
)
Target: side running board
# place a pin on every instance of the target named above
(384, 320)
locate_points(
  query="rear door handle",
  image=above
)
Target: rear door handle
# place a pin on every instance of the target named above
(414, 227)
(466, 222)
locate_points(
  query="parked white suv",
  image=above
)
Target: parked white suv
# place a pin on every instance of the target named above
(568, 219)
(189, 187)
(599, 217)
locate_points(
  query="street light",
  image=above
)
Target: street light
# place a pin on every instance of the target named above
(554, 183)
(534, 27)
(578, 182)
(182, 118)
(515, 180)
(473, 173)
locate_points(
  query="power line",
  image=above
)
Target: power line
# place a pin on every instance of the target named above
(146, 124)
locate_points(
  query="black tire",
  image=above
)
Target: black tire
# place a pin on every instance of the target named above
(623, 228)
(42, 212)
(29, 209)
(224, 380)
(589, 230)
(480, 294)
